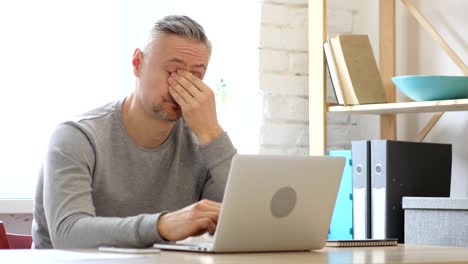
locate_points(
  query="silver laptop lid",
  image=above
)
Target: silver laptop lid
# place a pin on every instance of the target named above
(278, 203)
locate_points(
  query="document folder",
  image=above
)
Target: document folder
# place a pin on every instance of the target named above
(400, 169)
(361, 189)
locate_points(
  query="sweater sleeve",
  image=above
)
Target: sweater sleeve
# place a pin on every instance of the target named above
(68, 203)
(218, 155)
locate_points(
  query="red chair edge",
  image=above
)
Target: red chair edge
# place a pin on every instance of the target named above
(17, 241)
(3, 237)
(13, 241)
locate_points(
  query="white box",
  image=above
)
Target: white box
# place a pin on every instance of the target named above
(436, 221)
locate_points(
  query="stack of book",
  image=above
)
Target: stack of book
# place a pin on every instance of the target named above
(353, 70)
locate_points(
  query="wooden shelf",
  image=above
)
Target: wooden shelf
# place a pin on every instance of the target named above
(404, 107)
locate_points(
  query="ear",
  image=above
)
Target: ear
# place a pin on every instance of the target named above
(137, 61)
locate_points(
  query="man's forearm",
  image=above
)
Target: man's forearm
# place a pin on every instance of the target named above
(82, 231)
(218, 156)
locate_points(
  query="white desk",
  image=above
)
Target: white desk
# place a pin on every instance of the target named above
(398, 254)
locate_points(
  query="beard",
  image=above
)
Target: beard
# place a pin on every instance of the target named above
(168, 111)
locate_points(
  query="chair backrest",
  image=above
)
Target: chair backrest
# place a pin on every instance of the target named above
(3, 237)
(14, 241)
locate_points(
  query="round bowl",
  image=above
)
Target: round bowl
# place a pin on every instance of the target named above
(430, 88)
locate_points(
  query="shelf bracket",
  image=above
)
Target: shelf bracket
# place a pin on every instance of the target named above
(455, 58)
(429, 28)
(429, 126)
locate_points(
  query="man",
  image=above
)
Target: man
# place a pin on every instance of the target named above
(149, 168)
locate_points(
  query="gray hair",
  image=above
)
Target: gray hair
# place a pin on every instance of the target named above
(182, 26)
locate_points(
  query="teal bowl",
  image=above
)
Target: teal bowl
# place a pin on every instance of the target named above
(430, 88)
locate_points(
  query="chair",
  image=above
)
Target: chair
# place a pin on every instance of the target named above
(13, 241)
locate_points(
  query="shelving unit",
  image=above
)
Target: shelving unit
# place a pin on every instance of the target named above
(405, 107)
(318, 107)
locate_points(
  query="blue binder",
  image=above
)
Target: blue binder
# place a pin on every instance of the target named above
(341, 226)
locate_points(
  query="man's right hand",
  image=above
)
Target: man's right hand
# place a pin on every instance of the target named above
(193, 220)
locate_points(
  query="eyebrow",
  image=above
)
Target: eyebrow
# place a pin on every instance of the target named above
(180, 61)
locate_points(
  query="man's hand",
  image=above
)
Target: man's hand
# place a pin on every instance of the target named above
(197, 102)
(193, 220)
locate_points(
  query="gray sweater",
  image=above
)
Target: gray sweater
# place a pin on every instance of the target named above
(96, 187)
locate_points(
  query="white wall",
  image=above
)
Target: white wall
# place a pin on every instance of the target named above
(418, 53)
(284, 76)
(17, 223)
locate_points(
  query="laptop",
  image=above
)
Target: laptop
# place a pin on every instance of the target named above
(274, 203)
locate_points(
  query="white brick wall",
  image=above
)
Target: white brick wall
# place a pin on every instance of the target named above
(274, 61)
(284, 76)
(288, 2)
(286, 84)
(281, 133)
(350, 5)
(292, 108)
(274, 37)
(299, 63)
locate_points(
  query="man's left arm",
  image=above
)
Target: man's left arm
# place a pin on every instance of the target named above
(198, 106)
(218, 156)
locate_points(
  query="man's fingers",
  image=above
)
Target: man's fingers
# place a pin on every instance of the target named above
(209, 205)
(207, 225)
(178, 97)
(194, 80)
(186, 84)
(207, 215)
(209, 202)
(213, 207)
(212, 228)
(192, 220)
(183, 93)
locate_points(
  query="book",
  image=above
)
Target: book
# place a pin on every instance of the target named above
(362, 243)
(332, 71)
(357, 70)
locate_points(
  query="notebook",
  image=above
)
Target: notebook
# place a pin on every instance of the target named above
(274, 203)
(363, 242)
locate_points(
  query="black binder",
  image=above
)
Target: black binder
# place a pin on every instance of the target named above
(400, 169)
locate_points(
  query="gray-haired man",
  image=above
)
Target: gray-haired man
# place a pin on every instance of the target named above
(133, 172)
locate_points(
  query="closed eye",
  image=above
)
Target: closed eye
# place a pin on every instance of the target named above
(197, 74)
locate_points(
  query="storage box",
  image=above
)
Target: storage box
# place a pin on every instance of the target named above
(436, 221)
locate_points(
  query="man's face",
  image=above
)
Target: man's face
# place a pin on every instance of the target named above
(168, 54)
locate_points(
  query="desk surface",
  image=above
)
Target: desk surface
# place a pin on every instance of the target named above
(398, 254)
